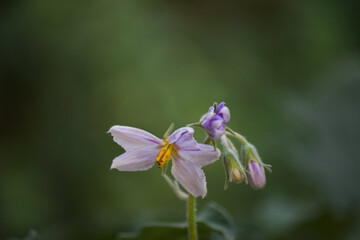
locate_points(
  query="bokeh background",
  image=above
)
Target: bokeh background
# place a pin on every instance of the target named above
(288, 70)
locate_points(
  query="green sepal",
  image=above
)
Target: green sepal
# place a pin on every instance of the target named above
(250, 152)
(227, 171)
(164, 168)
(213, 142)
(197, 124)
(167, 133)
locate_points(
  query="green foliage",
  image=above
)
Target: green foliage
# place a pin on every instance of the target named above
(33, 235)
(217, 219)
(213, 223)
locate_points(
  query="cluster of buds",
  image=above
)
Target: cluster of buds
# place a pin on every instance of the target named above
(214, 122)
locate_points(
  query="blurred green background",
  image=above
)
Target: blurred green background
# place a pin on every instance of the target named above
(288, 70)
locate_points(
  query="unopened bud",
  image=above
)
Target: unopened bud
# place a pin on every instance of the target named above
(236, 175)
(214, 121)
(255, 167)
(234, 170)
(256, 177)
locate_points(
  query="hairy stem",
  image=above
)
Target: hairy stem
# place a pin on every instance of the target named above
(191, 218)
(238, 136)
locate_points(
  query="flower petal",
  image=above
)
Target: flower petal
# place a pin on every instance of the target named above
(219, 107)
(208, 115)
(201, 156)
(136, 160)
(211, 109)
(216, 133)
(206, 120)
(216, 122)
(132, 138)
(191, 177)
(183, 138)
(215, 126)
(224, 112)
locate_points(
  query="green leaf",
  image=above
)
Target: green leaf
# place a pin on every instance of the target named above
(218, 219)
(213, 223)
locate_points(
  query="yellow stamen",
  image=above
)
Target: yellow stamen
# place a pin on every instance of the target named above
(164, 154)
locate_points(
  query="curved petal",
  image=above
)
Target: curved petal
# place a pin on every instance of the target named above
(216, 133)
(206, 119)
(224, 112)
(191, 177)
(220, 107)
(132, 138)
(208, 115)
(136, 160)
(216, 122)
(215, 126)
(201, 156)
(183, 138)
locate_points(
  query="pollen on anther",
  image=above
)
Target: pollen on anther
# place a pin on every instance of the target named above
(164, 155)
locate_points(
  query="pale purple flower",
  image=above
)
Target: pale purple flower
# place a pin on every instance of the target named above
(214, 121)
(142, 150)
(256, 177)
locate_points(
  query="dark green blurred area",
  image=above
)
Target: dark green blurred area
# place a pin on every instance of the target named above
(288, 70)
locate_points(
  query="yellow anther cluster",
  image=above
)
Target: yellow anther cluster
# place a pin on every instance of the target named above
(164, 154)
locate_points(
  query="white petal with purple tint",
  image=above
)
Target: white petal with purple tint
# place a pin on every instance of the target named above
(202, 155)
(136, 160)
(177, 134)
(183, 141)
(132, 138)
(191, 177)
(188, 159)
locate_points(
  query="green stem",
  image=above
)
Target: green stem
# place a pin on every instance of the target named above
(238, 136)
(191, 218)
(175, 187)
(207, 139)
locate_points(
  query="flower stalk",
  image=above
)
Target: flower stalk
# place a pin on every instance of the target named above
(176, 188)
(238, 136)
(191, 218)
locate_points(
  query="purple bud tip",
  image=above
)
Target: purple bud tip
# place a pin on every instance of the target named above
(219, 107)
(211, 109)
(223, 111)
(257, 178)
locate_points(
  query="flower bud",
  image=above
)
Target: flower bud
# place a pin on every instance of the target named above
(256, 177)
(255, 167)
(234, 170)
(236, 175)
(214, 121)
(214, 126)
